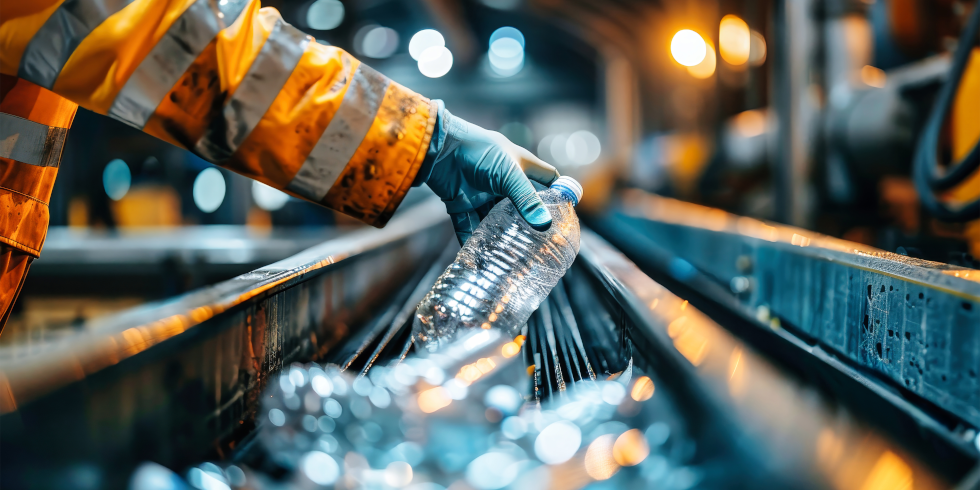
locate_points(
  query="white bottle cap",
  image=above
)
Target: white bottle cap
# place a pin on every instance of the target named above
(570, 185)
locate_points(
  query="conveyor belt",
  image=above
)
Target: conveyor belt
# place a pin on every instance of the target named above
(892, 337)
(179, 382)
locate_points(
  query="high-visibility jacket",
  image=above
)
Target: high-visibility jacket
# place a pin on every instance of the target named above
(226, 79)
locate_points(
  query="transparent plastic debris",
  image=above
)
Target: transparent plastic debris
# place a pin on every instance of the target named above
(504, 271)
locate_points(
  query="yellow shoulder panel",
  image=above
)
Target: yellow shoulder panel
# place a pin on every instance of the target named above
(19, 20)
(105, 59)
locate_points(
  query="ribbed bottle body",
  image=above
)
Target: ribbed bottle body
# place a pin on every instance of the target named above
(503, 272)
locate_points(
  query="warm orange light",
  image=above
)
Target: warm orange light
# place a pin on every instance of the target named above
(631, 448)
(734, 40)
(599, 461)
(510, 349)
(736, 376)
(890, 472)
(749, 124)
(676, 327)
(433, 399)
(485, 365)
(873, 77)
(692, 346)
(706, 67)
(469, 373)
(642, 389)
(688, 47)
(519, 340)
(800, 240)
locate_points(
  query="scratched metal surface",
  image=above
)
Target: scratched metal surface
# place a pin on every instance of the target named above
(178, 381)
(789, 427)
(913, 321)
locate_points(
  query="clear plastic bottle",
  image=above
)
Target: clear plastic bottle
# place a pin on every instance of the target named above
(504, 271)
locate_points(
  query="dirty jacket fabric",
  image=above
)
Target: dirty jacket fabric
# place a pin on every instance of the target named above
(225, 79)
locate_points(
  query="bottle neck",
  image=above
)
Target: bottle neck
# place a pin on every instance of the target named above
(568, 187)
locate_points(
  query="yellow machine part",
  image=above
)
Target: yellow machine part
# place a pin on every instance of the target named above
(965, 126)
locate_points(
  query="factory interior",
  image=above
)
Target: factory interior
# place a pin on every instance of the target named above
(777, 281)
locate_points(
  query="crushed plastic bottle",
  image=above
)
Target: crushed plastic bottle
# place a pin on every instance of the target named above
(504, 271)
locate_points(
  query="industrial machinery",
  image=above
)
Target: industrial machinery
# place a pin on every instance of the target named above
(778, 272)
(747, 380)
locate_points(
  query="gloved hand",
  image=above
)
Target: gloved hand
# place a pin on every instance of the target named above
(471, 168)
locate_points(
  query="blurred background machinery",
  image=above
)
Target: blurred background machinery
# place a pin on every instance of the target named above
(805, 172)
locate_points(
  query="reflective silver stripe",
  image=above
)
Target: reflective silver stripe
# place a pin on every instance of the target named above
(265, 78)
(170, 58)
(52, 45)
(343, 135)
(30, 142)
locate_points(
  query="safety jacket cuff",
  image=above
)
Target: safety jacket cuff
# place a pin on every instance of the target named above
(416, 138)
(436, 143)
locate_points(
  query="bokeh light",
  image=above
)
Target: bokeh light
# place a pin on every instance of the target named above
(424, 39)
(642, 389)
(599, 461)
(749, 124)
(376, 41)
(873, 76)
(435, 62)
(320, 468)
(433, 399)
(268, 198)
(209, 190)
(324, 15)
(207, 480)
(631, 448)
(613, 393)
(688, 47)
(582, 147)
(277, 417)
(489, 471)
(513, 427)
(734, 40)
(398, 474)
(504, 398)
(507, 33)
(558, 442)
(510, 349)
(506, 53)
(116, 179)
(757, 48)
(706, 67)
(151, 476)
(570, 149)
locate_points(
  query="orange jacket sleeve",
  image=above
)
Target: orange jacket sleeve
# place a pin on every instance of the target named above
(235, 84)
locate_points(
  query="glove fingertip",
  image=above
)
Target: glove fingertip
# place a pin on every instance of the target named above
(538, 217)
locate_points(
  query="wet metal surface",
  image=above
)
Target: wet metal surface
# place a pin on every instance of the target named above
(792, 429)
(178, 380)
(913, 321)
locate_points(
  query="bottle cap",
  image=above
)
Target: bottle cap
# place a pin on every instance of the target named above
(568, 186)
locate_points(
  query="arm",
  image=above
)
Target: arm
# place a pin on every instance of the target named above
(241, 88)
(236, 85)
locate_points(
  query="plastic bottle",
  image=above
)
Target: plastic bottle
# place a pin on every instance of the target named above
(504, 271)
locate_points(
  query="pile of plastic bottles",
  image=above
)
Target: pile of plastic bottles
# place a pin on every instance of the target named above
(440, 422)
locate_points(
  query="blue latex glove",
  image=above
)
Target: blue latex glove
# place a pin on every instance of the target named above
(472, 168)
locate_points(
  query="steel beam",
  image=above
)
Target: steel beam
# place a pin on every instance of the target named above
(178, 381)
